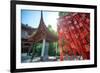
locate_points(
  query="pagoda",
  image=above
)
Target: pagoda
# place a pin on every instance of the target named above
(43, 35)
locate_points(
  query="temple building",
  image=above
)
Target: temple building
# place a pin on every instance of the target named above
(43, 35)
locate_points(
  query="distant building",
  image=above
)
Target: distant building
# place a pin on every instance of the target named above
(26, 31)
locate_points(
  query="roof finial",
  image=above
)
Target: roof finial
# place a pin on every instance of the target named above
(41, 14)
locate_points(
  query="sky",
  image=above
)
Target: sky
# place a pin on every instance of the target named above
(32, 18)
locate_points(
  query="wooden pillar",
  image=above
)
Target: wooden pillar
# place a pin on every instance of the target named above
(44, 53)
(43, 48)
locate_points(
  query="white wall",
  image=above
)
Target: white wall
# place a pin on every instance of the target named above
(5, 37)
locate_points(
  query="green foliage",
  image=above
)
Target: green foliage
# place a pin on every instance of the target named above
(63, 13)
(37, 47)
(57, 49)
(53, 49)
(51, 30)
(53, 45)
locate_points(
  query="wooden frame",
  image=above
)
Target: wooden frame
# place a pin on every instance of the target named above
(13, 35)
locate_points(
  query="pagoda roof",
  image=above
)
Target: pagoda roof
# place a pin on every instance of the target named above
(43, 33)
